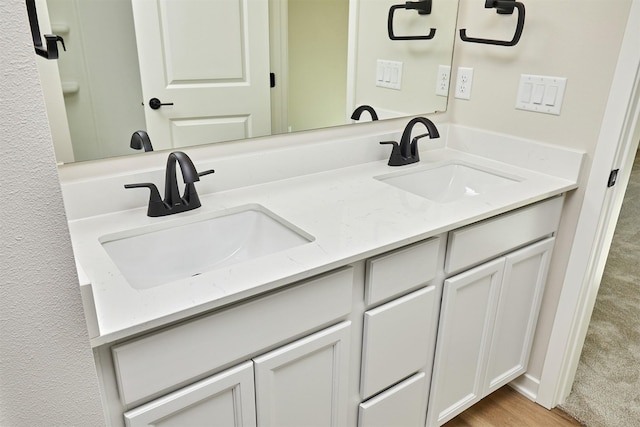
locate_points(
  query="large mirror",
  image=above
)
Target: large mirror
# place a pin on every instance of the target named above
(226, 70)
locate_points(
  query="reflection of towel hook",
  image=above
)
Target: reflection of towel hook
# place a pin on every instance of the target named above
(504, 7)
(423, 7)
(51, 51)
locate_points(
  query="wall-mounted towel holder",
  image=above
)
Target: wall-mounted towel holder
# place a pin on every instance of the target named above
(51, 51)
(423, 7)
(504, 7)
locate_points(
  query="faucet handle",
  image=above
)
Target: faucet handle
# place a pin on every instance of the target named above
(155, 194)
(156, 206)
(416, 138)
(395, 144)
(414, 145)
(396, 158)
(190, 195)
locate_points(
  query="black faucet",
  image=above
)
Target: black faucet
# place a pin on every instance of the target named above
(173, 202)
(139, 140)
(358, 112)
(407, 152)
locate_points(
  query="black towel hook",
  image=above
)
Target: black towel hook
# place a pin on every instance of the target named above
(504, 7)
(423, 7)
(51, 51)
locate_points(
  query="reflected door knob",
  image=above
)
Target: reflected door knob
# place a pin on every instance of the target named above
(155, 103)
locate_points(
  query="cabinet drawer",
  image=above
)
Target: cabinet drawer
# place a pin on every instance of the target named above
(400, 271)
(398, 340)
(166, 360)
(480, 242)
(402, 405)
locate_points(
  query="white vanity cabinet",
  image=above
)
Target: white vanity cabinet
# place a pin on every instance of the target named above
(413, 336)
(399, 335)
(489, 313)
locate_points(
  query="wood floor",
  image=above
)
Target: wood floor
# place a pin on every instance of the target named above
(508, 408)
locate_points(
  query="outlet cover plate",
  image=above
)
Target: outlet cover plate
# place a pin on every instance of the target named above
(463, 83)
(442, 83)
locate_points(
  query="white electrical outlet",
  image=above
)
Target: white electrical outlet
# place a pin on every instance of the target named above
(442, 85)
(463, 82)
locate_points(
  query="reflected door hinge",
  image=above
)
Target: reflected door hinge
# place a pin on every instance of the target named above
(272, 79)
(613, 176)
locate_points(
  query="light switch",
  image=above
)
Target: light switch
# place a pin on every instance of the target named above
(550, 94)
(538, 93)
(389, 74)
(542, 94)
(525, 93)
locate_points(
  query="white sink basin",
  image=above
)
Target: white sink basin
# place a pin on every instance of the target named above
(447, 183)
(150, 257)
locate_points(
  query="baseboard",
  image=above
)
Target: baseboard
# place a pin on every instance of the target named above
(526, 385)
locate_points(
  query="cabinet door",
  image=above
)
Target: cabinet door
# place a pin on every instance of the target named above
(466, 320)
(398, 340)
(305, 383)
(518, 307)
(225, 399)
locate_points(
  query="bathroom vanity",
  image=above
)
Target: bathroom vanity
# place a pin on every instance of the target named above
(402, 302)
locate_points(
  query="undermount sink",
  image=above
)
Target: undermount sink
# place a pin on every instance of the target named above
(447, 183)
(150, 256)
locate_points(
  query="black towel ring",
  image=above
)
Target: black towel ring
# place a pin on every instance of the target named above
(423, 7)
(504, 7)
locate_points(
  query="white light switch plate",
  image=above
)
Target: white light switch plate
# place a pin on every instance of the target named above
(542, 94)
(389, 74)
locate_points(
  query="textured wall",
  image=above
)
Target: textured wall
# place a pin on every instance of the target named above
(47, 377)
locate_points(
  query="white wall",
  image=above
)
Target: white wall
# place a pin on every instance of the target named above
(579, 40)
(47, 375)
(420, 58)
(317, 63)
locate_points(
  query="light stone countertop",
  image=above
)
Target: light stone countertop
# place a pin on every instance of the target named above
(350, 215)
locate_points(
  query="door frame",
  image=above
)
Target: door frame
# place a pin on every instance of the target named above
(352, 57)
(616, 147)
(279, 63)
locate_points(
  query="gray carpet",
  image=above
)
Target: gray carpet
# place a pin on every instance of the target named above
(606, 392)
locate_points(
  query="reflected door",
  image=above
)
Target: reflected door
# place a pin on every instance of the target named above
(209, 61)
